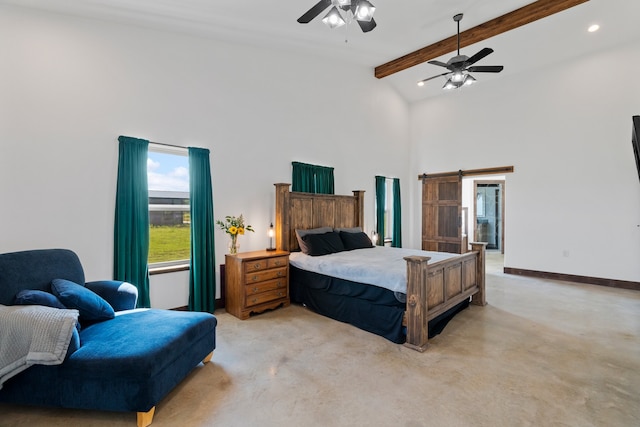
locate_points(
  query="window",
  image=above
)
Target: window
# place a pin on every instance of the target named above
(388, 211)
(169, 209)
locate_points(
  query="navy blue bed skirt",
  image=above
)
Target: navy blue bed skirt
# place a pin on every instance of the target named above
(371, 308)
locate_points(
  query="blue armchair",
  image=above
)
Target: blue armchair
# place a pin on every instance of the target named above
(127, 363)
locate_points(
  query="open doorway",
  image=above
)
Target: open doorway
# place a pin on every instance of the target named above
(483, 207)
(489, 214)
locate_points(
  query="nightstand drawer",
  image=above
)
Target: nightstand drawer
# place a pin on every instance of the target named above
(282, 261)
(256, 265)
(266, 297)
(261, 276)
(269, 285)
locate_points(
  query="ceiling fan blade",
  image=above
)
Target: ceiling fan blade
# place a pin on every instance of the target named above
(478, 56)
(486, 69)
(314, 11)
(367, 26)
(434, 77)
(439, 63)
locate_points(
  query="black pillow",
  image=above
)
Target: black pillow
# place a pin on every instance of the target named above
(355, 240)
(300, 233)
(323, 244)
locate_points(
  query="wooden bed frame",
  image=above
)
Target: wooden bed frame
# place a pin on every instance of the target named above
(432, 289)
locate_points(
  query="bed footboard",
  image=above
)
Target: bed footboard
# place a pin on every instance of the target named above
(434, 288)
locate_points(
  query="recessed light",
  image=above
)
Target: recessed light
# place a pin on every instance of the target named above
(593, 28)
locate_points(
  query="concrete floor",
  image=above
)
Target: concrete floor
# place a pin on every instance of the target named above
(542, 353)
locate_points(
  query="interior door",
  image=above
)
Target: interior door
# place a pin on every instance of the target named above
(441, 214)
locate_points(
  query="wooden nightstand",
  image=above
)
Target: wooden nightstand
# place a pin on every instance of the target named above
(256, 281)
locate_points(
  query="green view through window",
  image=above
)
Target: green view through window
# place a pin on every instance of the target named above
(169, 216)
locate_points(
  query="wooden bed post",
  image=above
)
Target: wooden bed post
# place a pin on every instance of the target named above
(417, 304)
(282, 217)
(359, 214)
(480, 298)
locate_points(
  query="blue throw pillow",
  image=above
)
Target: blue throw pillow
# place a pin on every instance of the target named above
(35, 297)
(89, 304)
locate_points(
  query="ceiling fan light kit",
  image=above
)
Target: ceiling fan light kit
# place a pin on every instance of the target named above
(460, 66)
(333, 19)
(343, 12)
(457, 81)
(364, 11)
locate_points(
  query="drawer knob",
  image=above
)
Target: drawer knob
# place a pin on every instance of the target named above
(255, 289)
(277, 263)
(255, 300)
(279, 294)
(256, 265)
(279, 273)
(254, 278)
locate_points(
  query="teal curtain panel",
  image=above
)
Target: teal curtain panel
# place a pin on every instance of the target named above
(303, 178)
(380, 202)
(131, 229)
(396, 235)
(202, 273)
(324, 180)
(306, 178)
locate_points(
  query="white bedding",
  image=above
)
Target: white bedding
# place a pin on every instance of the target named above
(380, 266)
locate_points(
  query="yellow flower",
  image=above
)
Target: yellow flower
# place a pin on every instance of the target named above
(234, 225)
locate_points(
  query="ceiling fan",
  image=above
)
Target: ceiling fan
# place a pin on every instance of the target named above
(358, 10)
(461, 65)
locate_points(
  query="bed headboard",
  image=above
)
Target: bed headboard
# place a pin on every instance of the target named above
(308, 210)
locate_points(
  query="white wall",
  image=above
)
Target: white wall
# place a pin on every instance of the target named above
(567, 132)
(69, 87)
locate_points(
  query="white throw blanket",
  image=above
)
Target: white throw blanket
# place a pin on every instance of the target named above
(33, 334)
(380, 266)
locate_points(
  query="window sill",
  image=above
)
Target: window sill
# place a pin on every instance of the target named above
(168, 269)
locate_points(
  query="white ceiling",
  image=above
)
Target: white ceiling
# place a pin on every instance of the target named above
(403, 26)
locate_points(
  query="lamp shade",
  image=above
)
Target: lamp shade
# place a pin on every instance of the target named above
(333, 19)
(364, 11)
(271, 233)
(449, 85)
(468, 80)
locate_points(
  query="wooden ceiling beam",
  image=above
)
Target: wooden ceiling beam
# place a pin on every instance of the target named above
(519, 17)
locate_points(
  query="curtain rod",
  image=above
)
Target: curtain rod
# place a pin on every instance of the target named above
(168, 145)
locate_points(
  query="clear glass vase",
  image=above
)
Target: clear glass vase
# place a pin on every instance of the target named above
(234, 246)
